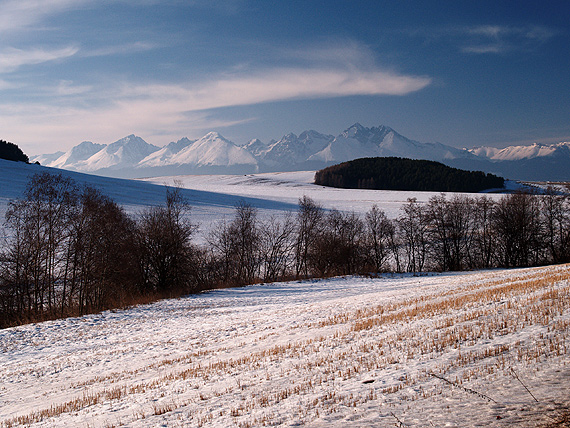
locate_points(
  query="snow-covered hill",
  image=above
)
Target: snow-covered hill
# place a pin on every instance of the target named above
(132, 157)
(341, 352)
(537, 162)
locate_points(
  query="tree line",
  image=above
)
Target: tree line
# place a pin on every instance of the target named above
(391, 173)
(71, 250)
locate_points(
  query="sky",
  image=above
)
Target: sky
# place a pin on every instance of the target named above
(466, 74)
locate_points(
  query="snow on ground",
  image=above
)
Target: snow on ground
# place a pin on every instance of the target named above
(214, 197)
(287, 188)
(339, 352)
(290, 186)
(400, 350)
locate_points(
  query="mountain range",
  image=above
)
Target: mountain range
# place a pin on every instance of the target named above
(132, 157)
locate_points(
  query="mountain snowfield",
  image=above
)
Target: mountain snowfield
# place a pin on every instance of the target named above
(513, 153)
(132, 157)
(454, 349)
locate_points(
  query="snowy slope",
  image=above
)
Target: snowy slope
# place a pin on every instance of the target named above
(76, 155)
(208, 204)
(343, 352)
(513, 153)
(213, 150)
(458, 350)
(163, 156)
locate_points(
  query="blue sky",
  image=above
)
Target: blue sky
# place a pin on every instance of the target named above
(462, 73)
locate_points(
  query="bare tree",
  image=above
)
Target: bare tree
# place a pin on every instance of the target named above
(101, 262)
(277, 246)
(165, 234)
(556, 219)
(517, 229)
(379, 232)
(339, 245)
(309, 220)
(237, 246)
(484, 243)
(451, 230)
(413, 226)
(41, 228)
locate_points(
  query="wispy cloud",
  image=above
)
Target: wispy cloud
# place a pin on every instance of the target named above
(488, 39)
(496, 39)
(347, 53)
(278, 85)
(174, 109)
(21, 14)
(128, 48)
(11, 59)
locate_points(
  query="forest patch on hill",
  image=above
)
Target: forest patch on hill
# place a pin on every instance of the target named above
(391, 173)
(12, 152)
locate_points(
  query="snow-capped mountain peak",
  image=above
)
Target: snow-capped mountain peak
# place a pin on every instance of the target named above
(292, 149)
(79, 153)
(163, 156)
(213, 150)
(354, 131)
(131, 156)
(256, 147)
(532, 151)
(123, 153)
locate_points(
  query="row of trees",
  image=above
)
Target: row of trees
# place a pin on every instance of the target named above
(445, 234)
(73, 250)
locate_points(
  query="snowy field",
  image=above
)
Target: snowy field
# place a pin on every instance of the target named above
(437, 350)
(344, 352)
(214, 197)
(278, 192)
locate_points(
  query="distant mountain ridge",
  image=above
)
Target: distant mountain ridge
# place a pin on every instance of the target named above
(132, 157)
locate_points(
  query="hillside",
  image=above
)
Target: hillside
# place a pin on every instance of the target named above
(339, 352)
(344, 352)
(405, 174)
(209, 203)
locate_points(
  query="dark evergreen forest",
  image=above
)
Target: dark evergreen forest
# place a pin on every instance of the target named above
(405, 174)
(10, 151)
